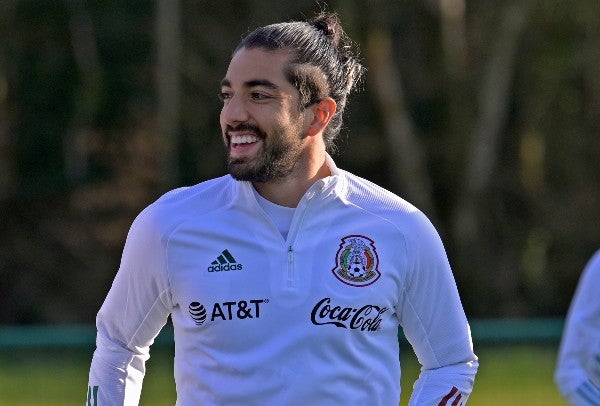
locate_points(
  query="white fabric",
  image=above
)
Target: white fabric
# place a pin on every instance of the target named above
(578, 367)
(280, 215)
(263, 320)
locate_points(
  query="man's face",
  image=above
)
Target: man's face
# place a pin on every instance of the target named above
(261, 123)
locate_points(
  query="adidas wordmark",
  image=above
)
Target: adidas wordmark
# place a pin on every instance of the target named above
(225, 262)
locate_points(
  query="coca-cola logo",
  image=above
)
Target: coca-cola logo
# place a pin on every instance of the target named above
(365, 318)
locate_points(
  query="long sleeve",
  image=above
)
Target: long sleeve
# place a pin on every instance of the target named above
(434, 322)
(133, 313)
(577, 372)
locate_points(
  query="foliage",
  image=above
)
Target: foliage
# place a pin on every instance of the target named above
(82, 150)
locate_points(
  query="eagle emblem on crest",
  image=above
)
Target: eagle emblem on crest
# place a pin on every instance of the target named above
(356, 261)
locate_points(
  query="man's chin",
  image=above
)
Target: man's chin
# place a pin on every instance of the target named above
(241, 170)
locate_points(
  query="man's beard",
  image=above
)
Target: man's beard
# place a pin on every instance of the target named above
(275, 160)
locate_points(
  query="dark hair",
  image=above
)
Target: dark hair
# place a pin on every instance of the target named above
(323, 65)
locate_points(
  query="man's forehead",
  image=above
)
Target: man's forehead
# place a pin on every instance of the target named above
(257, 67)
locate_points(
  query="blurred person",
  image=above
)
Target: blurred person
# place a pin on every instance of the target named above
(286, 280)
(577, 372)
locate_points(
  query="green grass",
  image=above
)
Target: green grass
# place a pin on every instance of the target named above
(508, 375)
(518, 375)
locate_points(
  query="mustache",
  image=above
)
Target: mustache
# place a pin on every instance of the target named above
(245, 127)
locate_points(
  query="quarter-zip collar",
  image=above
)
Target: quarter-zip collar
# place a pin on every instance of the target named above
(243, 193)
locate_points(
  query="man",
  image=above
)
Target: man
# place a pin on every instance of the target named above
(287, 279)
(577, 372)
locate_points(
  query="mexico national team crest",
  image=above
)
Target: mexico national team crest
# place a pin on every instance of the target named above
(356, 262)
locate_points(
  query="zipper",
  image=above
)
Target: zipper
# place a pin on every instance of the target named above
(290, 267)
(297, 220)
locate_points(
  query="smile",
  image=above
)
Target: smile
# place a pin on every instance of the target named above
(243, 139)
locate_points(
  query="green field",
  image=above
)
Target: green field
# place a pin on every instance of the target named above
(508, 375)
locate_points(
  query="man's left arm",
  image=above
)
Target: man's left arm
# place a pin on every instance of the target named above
(435, 324)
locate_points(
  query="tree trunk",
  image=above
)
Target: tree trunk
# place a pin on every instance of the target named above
(168, 38)
(85, 53)
(477, 250)
(408, 168)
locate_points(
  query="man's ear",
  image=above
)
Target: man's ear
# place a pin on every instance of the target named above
(323, 112)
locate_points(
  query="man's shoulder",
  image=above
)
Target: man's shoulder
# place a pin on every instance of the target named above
(179, 204)
(368, 194)
(381, 202)
(203, 193)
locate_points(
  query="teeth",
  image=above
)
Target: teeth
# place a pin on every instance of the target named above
(243, 139)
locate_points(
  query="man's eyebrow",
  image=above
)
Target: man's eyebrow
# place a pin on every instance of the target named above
(253, 83)
(262, 83)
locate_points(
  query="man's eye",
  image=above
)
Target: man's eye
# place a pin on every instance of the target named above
(258, 96)
(224, 96)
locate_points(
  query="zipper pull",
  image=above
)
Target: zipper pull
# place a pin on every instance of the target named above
(290, 254)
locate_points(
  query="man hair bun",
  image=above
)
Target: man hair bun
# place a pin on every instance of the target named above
(330, 26)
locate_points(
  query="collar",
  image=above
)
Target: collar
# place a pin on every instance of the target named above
(335, 184)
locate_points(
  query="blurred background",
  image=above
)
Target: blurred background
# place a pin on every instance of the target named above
(485, 114)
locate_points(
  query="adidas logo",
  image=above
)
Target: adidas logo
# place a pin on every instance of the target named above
(224, 262)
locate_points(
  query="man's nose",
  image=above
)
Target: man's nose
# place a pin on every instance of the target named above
(234, 111)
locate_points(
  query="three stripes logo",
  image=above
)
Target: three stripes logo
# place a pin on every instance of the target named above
(92, 396)
(453, 396)
(225, 262)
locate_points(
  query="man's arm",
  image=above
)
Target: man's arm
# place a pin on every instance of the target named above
(577, 372)
(435, 324)
(133, 313)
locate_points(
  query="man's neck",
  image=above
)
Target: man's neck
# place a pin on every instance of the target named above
(288, 192)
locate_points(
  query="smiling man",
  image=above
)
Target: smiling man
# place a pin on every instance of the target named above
(273, 139)
(254, 106)
(286, 280)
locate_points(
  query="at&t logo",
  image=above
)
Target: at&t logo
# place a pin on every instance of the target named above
(240, 310)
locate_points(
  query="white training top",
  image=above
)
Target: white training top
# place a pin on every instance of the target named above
(280, 215)
(262, 320)
(577, 372)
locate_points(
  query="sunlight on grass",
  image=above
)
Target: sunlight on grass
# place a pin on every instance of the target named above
(517, 375)
(508, 375)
